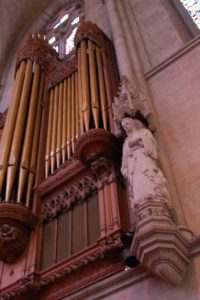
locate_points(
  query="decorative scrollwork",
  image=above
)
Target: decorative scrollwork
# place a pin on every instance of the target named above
(63, 200)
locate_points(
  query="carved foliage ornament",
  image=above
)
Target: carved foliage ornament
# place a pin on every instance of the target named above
(129, 102)
(37, 49)
(89, 30)
(65, 199)
(59, 70)
(16, 223)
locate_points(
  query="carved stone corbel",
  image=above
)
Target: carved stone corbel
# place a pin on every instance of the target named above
(159, 244)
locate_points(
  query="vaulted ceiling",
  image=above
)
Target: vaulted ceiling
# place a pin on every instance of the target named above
(15, 17)
(18, 16)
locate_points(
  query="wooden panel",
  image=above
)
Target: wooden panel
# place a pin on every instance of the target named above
(63, 237)
(77, 228)
(93, 219)
(47, 245)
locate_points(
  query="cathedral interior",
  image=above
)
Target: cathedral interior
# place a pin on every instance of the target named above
(99, 149)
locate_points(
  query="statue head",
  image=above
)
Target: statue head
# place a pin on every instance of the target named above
(130, 125)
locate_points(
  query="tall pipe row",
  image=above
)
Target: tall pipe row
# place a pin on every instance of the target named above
(77, 104)
(63, 123)
(20, 139)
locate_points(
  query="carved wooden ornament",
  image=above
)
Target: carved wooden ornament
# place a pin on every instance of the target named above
(16, 223)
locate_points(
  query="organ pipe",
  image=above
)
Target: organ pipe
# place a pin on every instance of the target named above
(18, 133)
(64, 123)
(102, 89)
(81, 101)
(7, 134)
(80, 95)
(73, 113)
(77, 107)
(93, 84)
(68, 116)
(34, 151)
(54, 130)
(27, 144)
(49, 133)
(85, 85)
(59, 128)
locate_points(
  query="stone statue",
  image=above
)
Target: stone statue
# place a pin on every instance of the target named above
(139, 165)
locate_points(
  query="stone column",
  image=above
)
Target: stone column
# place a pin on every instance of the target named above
(120, 42)
(131, 55)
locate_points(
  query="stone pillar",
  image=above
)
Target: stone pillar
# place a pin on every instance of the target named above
(120, 42)
(130, 52)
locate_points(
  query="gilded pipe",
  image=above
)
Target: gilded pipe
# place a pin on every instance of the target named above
(19, 131)
(59, 126)
(54, 130)
(7, 135)
(109, 95)
(80, 95)
(102, 89)
(85, 85)
(49, 133)
(36, 135)
(28, 139)
(64, 122)
(68, 117)
(77, 106)
(93, 84)
(73, 112)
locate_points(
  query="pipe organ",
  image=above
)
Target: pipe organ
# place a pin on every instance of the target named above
(80, 102)
(58, 157)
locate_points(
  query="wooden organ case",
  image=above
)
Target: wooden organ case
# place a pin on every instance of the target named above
(63, 201)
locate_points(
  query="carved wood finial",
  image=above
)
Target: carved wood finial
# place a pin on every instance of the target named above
(89, 30)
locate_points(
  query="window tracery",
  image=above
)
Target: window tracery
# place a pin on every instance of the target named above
(193, 8)
(62, 30)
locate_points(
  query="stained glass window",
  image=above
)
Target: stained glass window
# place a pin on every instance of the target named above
(52, 40)
(75, 21)
(70, 41)
(61, 32)
(193, 8)
(63, 19)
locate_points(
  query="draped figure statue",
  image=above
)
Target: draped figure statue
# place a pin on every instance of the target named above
(139, 165)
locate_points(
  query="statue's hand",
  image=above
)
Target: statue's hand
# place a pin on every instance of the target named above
(135, 142)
